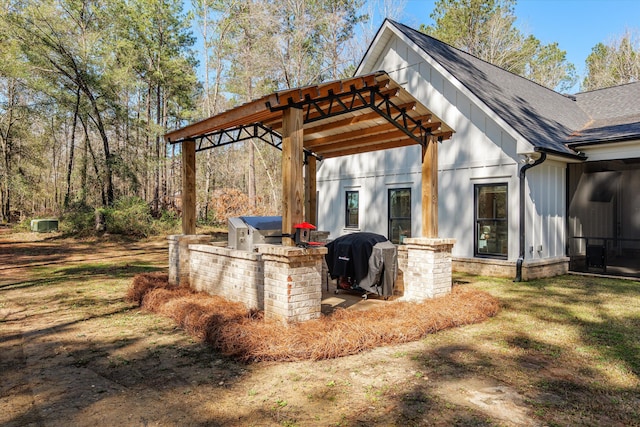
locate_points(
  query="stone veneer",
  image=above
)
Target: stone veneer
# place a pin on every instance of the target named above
(428, 269)
(292, 282)
(179, 255)
(230, 273)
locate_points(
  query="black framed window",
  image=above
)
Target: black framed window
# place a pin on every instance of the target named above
(492, 228)
(352, 216)
(399, 214)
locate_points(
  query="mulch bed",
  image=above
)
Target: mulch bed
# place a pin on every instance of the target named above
(245, 334)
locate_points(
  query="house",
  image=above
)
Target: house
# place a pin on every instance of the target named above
(532, 183)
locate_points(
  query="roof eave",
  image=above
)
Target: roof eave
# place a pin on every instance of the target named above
(367, 55)
(565, 155)
(601, 141)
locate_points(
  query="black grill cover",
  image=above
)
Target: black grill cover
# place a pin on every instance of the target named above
(348, 255)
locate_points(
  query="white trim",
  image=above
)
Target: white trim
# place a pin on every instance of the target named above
(612, 151)
(490, 177)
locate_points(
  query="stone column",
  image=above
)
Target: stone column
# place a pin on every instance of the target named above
(179, 255)
(292, 282)
(428, 272)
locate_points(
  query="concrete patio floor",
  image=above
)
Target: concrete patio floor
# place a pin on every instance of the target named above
(350, 300)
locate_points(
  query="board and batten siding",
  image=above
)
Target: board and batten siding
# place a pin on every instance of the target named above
(546, 211)
(480, 152)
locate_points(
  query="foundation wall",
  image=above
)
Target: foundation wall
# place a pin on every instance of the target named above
(507, 269)
(545, 268)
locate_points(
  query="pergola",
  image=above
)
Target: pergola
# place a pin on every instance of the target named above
(356, 115)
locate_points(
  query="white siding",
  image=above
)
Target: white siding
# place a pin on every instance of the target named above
(545, 197)
(481, 151)
(622, 150)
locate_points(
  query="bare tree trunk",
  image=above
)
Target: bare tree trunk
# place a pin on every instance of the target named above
(72, 143)
(7, 150)
(108, 174)
(156, 189)
(167, 170)
(85, 166)
(96, 169)
(252, 176)
(148, 151)
(54, 166)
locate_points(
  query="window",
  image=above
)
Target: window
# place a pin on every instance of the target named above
(491, 220)
(352, 213)
(399, 214)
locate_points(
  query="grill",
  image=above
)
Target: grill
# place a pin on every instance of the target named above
(247, 231)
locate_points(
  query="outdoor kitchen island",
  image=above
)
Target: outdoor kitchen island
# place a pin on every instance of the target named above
(252, 268)
(308, 125)
(287, 281)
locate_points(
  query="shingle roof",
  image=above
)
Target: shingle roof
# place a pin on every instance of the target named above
(613, 102)
(615, 112)
(547, 119)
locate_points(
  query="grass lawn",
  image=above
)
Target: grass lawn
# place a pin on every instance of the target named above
(560, 352)
(571, 344)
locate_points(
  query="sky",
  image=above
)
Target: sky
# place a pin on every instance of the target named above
(577, 25)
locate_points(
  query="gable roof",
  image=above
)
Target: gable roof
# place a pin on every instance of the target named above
(542, 116)
(548, 120)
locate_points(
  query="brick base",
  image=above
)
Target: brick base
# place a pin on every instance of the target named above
(179, 255)
(292, 282)
(428, 270)
(403, 259)
(233, 274)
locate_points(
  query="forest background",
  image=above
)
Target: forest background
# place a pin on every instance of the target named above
(88, 88)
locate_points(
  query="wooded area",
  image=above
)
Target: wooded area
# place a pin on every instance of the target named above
(88, 88)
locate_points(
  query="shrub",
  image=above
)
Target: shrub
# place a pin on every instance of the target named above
(130, 216)
(231, 202)
(78, 219)
(169, 222)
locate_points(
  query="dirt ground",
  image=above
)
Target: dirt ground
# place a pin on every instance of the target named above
(72, 352)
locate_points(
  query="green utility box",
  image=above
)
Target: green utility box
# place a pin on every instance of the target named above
(44, 225)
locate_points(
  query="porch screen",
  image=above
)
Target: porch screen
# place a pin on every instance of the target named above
(399, 214)
(491, 220)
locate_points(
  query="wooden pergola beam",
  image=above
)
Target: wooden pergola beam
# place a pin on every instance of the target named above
(310, 191)
(292, 180)
(430, 189)
(393, 134)
(189, 187)
(405, 142)
(311, 113)
(392, 124)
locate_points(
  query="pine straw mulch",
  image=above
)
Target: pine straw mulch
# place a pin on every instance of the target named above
(235, 331)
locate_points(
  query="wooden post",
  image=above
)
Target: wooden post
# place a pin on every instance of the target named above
(292, 163)
(188, 187)
(310, 191)
(430, 189)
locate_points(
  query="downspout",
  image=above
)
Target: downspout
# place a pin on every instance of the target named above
(523, 172)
